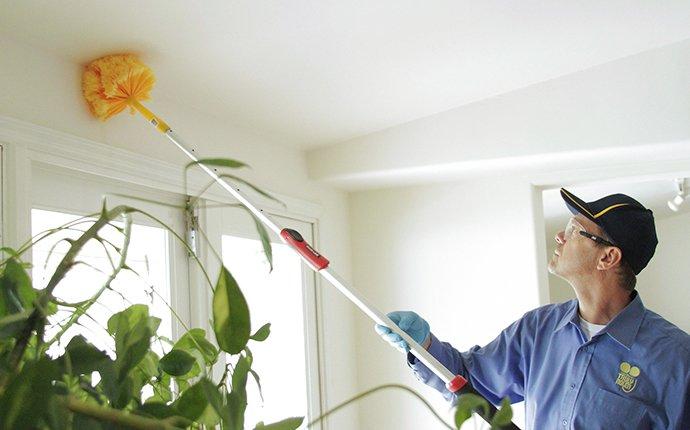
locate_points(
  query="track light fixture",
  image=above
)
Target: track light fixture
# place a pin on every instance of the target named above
(681, 195)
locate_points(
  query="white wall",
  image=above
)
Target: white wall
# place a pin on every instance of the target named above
(434, 247)
(42, 89)
(461, 255)
(664, 285)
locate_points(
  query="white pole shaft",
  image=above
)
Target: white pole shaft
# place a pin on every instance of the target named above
(259, 213)
(417, 350)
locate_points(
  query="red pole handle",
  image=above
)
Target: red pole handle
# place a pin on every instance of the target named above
(456, 384)
(294, 239)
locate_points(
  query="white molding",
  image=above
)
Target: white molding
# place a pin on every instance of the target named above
(76, 153)
(545, 169)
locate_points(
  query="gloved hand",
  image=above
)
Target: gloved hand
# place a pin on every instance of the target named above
(410, 323)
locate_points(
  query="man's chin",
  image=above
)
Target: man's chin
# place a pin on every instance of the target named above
(553, 267)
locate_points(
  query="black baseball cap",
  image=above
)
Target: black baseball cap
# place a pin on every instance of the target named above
(629, 224)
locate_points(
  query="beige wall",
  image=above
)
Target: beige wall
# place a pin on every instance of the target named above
(461, 255)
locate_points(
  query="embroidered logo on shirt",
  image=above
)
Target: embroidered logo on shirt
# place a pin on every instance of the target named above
(627, 377)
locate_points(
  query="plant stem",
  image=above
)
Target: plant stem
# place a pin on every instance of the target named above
(37, 316)
(117, 416)
(116, 270)
(379, 388)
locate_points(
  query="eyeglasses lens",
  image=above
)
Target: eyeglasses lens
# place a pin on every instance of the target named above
(571, 228)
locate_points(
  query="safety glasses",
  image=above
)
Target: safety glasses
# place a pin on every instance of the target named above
(574, 227)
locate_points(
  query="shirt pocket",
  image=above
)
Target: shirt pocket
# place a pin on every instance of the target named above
(612, 411)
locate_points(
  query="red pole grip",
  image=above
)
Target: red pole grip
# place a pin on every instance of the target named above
(294, 239)
(456, 384)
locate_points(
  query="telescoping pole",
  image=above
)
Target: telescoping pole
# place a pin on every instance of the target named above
(319, 263)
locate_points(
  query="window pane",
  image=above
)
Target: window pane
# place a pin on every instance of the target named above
(275, 298)
(147, 255)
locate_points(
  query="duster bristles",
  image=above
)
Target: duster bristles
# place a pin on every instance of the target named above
(112, 82)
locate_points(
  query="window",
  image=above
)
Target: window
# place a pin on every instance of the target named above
(276, 298)
(288, 362)
(60, 195)
(147, 255)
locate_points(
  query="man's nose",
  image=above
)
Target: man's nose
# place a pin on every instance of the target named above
(560, 237)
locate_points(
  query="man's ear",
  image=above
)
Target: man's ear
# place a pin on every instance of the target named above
(610, 258)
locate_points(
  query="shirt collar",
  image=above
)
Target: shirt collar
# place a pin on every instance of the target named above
(624, 326)
(569, 316)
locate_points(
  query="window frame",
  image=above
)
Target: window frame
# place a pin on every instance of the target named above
(176, 255)
(24, 144)
(311, 288)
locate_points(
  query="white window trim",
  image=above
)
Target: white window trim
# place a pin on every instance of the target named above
(24, 143)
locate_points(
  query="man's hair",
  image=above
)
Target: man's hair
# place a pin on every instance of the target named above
(626, 275)
(625, 272)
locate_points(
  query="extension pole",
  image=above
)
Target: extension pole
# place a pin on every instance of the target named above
(455, 383)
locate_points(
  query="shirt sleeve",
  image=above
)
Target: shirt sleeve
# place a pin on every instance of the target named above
(496, 370)
(679, 407)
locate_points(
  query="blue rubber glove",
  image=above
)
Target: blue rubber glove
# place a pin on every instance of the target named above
(410, 323)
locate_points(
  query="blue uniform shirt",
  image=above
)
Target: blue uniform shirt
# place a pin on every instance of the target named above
(633, 374)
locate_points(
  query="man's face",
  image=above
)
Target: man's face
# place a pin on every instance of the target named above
(575, 254)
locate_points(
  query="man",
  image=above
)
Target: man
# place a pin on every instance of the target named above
(601, 361)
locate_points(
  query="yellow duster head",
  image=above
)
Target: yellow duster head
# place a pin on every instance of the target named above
(114, 82)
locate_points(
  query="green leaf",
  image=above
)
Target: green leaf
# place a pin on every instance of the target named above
(253, 187)
(193, 402)
(265, 241)
(231, 322)
(237, 399)
(258, 383)
(218, 162)
(286, 424)
(83, 357)
(132, 329)
(262, 333)
(56, 416)
(109, 383)
(148, 366)
(9, 251)
(176, 362)
(215, 399)
(503, 416)
(195, 339)
(13, 324)
(16, 292)
(467, 405)
(27, 395)
(156, 410)
(239, 375)
(161, 390)
(15, 272)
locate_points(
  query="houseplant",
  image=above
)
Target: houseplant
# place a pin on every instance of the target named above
(83, 387)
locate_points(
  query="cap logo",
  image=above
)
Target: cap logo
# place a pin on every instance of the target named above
(627, 377)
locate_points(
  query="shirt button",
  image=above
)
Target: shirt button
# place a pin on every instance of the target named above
(572, 387)
(565, 423)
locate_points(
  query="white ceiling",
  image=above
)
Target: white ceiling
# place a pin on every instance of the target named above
(314, 73)
(652, 193)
